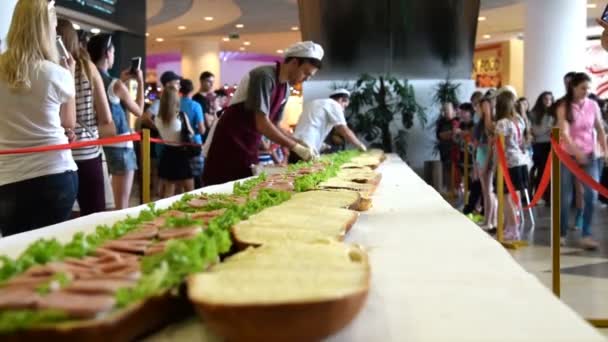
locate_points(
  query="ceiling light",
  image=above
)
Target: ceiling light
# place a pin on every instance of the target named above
(95, 30)
(226, 39)
(76, 26)
(160, 40)
(294, 28)
(208, 18)
(591, 5)
(242, 48)
(481, 19)
(239, 25)
(280, 51)
(486, 36)
(246, 43)
(181, 27)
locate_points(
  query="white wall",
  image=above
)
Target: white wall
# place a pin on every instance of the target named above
(176, 67)
(233, 70)
(6, 14)
(421, 140)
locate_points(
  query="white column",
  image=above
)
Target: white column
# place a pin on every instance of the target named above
(6, 14)
(198, 56)
(554, 37)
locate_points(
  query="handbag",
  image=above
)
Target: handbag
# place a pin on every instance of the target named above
(190, 151)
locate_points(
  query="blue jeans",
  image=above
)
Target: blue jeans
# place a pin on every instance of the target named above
(589, 197)
(37, 202)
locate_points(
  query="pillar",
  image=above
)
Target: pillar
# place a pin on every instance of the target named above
(201, 55)
(6, 14)
(554, 37)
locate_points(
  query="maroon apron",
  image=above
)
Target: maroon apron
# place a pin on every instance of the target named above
(234, 146)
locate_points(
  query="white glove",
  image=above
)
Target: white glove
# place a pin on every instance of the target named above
(304, 152)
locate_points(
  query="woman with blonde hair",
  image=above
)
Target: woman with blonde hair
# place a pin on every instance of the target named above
(38, 109)
(174, 165)
(93, 120)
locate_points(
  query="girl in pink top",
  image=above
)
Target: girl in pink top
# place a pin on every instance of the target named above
(577, 118)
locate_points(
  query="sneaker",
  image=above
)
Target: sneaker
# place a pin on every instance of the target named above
(562, 241)
(589, 244)
(477, 218)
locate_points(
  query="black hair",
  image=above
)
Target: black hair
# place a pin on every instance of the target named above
(570, 75)
(339, 97)
(205, 75)
(303, 60)
(539, 110)
(99, 45)
(185, 86)
(576, 80)
(467, 107)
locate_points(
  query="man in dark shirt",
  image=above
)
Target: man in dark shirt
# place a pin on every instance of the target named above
(206, 98)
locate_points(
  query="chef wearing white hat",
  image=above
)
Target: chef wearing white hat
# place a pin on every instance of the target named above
(318, 119)
(255, 110)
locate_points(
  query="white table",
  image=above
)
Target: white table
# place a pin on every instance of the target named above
(435, 275)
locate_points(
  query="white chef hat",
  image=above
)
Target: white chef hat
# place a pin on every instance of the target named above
(307, 49)
(340, 91)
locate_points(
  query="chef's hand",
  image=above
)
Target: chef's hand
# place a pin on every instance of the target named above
(604, 38)
(306, 153)
(362, 147)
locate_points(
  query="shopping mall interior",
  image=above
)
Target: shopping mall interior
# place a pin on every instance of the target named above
(442, 104)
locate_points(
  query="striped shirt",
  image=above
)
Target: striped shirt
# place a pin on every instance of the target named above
(86, 119)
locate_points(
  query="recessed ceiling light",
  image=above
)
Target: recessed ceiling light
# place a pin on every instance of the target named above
(591, 5)
(226, 39)
(147, 34)
(280, 51)
(486, 36)
(242, 48)
(208, 18)
(76, 26)
(160, 40)
(239, 25)
(246, 43)
(294, 28)
(181, 27)
(95, 30)
(481, 19)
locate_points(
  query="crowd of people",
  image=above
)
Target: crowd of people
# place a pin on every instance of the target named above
(52, 95)
(582, 119)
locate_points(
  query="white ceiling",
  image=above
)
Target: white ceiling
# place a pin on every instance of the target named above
(268, 23)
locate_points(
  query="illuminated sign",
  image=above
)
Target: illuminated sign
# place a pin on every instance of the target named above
(103, 6)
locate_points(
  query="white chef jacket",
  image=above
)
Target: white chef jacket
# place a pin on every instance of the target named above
(317, 120)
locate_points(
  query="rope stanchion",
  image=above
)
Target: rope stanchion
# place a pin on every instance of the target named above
(78, 144)
(555, 217)
(145, 166)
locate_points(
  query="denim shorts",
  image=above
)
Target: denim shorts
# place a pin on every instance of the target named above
(120, 159)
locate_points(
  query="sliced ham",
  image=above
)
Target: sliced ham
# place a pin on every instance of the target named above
(207, 216)
(179, 233)
(156, 249)
(174, 213)
(86, 262)
(129, 271)
(146, 233)
(18, 299)
(198, 202)
(98, 285)
(128, 246)
(25, 281)
(77, 305)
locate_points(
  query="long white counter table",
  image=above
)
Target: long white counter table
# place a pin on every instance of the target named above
(435, 275)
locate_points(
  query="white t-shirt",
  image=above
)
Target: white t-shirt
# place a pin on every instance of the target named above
(317, 120)
(170, 132)
(31, 118)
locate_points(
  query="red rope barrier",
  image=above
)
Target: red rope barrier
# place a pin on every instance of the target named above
(579, 173)
(78, 144)
(542, 187)
(502, 161)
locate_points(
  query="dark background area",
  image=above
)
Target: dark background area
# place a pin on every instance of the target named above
(417, 39)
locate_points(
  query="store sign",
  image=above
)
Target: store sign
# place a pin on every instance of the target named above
(597, 68)
(488, 67)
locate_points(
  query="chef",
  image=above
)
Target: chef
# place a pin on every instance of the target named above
(255, 110)
(318, 119)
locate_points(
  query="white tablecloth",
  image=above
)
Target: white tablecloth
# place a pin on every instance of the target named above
(435, 275)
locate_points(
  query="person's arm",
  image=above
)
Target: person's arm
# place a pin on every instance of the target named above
(486, 110)
(348, 134)
(265, 127)
(564, 128)
(200, 119)
(67, 110)
(601, 133)
(136, 107)
(100, 103)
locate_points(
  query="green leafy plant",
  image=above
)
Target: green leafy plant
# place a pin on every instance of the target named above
(445, 92)
(374, 103)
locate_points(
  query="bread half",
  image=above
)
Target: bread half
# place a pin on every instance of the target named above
(288, 292)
